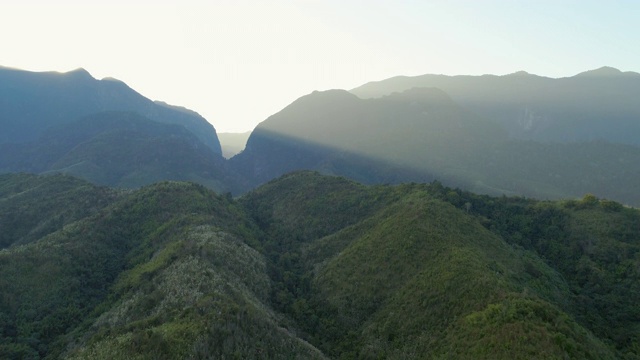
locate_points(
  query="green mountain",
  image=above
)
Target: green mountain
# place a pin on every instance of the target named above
(33, 102)
(312, 266)
(123, 264)
(120, 149)
(162, 272)
(594, 105)
(423, 271)
(422, 134)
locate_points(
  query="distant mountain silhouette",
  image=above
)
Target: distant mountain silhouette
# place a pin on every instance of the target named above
(420, 135)
(599, 104)
(233, 143)
(518, 134)
(31, 102)
(401, 137)
(607, 71)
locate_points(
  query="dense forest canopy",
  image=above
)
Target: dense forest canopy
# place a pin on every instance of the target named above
(313, 266)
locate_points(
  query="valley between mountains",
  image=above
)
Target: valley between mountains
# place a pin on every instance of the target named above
(429, 217)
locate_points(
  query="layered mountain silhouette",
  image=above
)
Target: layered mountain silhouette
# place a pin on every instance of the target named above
(422, 134)
(518, 134)
(105, 132)
(594, 105)
(32, 102)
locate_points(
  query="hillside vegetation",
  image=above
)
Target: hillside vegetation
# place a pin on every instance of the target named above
(312, 266)
(441, 273)
(165, 271)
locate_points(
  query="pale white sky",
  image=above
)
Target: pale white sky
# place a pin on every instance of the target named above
(238, 62)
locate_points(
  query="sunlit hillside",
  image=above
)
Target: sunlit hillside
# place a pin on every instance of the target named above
(423, 134)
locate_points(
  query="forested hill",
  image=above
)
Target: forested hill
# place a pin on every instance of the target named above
(312, 266)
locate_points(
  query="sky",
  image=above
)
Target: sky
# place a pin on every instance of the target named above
(238, 62)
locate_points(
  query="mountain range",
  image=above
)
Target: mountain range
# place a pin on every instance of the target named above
(422, 134)
(518, 134)
(593, 105)
(105, 132)
(456, 217)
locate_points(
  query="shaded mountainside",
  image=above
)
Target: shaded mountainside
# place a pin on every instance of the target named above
(593, 105)
(420, 135)
(394, 139)
(311, 266)
(120, 149)
(32, 102)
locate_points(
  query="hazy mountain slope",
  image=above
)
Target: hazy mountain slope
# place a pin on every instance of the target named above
(425, 271)
(35, 101)
(163, 272)
(233, 143)
(120, 149)
(421, 135)
(397, 138)
(594, 105)
(557, 170)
